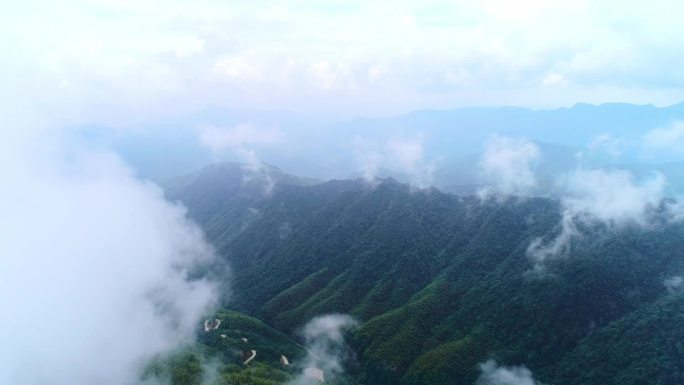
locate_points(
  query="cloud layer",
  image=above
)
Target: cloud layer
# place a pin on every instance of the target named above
(148, 57)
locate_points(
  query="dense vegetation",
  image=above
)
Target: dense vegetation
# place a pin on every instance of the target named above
(442, 283)
(218, 357)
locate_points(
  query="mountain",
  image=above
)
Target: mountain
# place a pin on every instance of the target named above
(442, 283)
(242, 349)
(225, 196)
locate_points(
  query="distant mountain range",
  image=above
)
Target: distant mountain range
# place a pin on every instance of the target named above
(450, 139)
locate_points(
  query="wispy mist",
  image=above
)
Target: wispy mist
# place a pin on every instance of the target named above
(405, 155)
(507, 166)
(243, 135)
(669, 139)
(614, 198)
(611, 197)
(493, 374)
(327, 350)
(241, 142)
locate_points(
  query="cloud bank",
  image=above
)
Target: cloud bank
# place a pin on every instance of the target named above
(94, 266)
(148, 56)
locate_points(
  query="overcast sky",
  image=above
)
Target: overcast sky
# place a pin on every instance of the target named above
(104, 59)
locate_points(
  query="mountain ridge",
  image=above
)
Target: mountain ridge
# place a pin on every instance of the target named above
(436, 277)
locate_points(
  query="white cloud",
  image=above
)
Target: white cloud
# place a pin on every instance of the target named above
(237, 68)
(493, 374)
(610, 144)
(538, 251)
(242, 135)
(670, 139)
(256, 171)
(94, 266)
(368, 158)
(302, 56)
(656, 144)
(506, 165)
(407, 154)
(187, 46)
(555, 79)
(400, 154)
(614, 198)
(327, 350)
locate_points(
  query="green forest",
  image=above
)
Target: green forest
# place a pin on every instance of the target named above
(440, 283)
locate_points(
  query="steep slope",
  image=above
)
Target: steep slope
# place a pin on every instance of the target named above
(644, 348)
(235, 350)
(224, 197)
(442, 282)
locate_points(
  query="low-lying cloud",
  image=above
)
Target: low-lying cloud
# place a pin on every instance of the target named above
(398, 154)
(614, 198)
(327, 350)
(95, 266)
(507, 166)
(493, 374)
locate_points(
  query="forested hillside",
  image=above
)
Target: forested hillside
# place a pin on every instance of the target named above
(442, 283)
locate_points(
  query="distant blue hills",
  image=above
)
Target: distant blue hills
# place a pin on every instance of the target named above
(452, 140)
